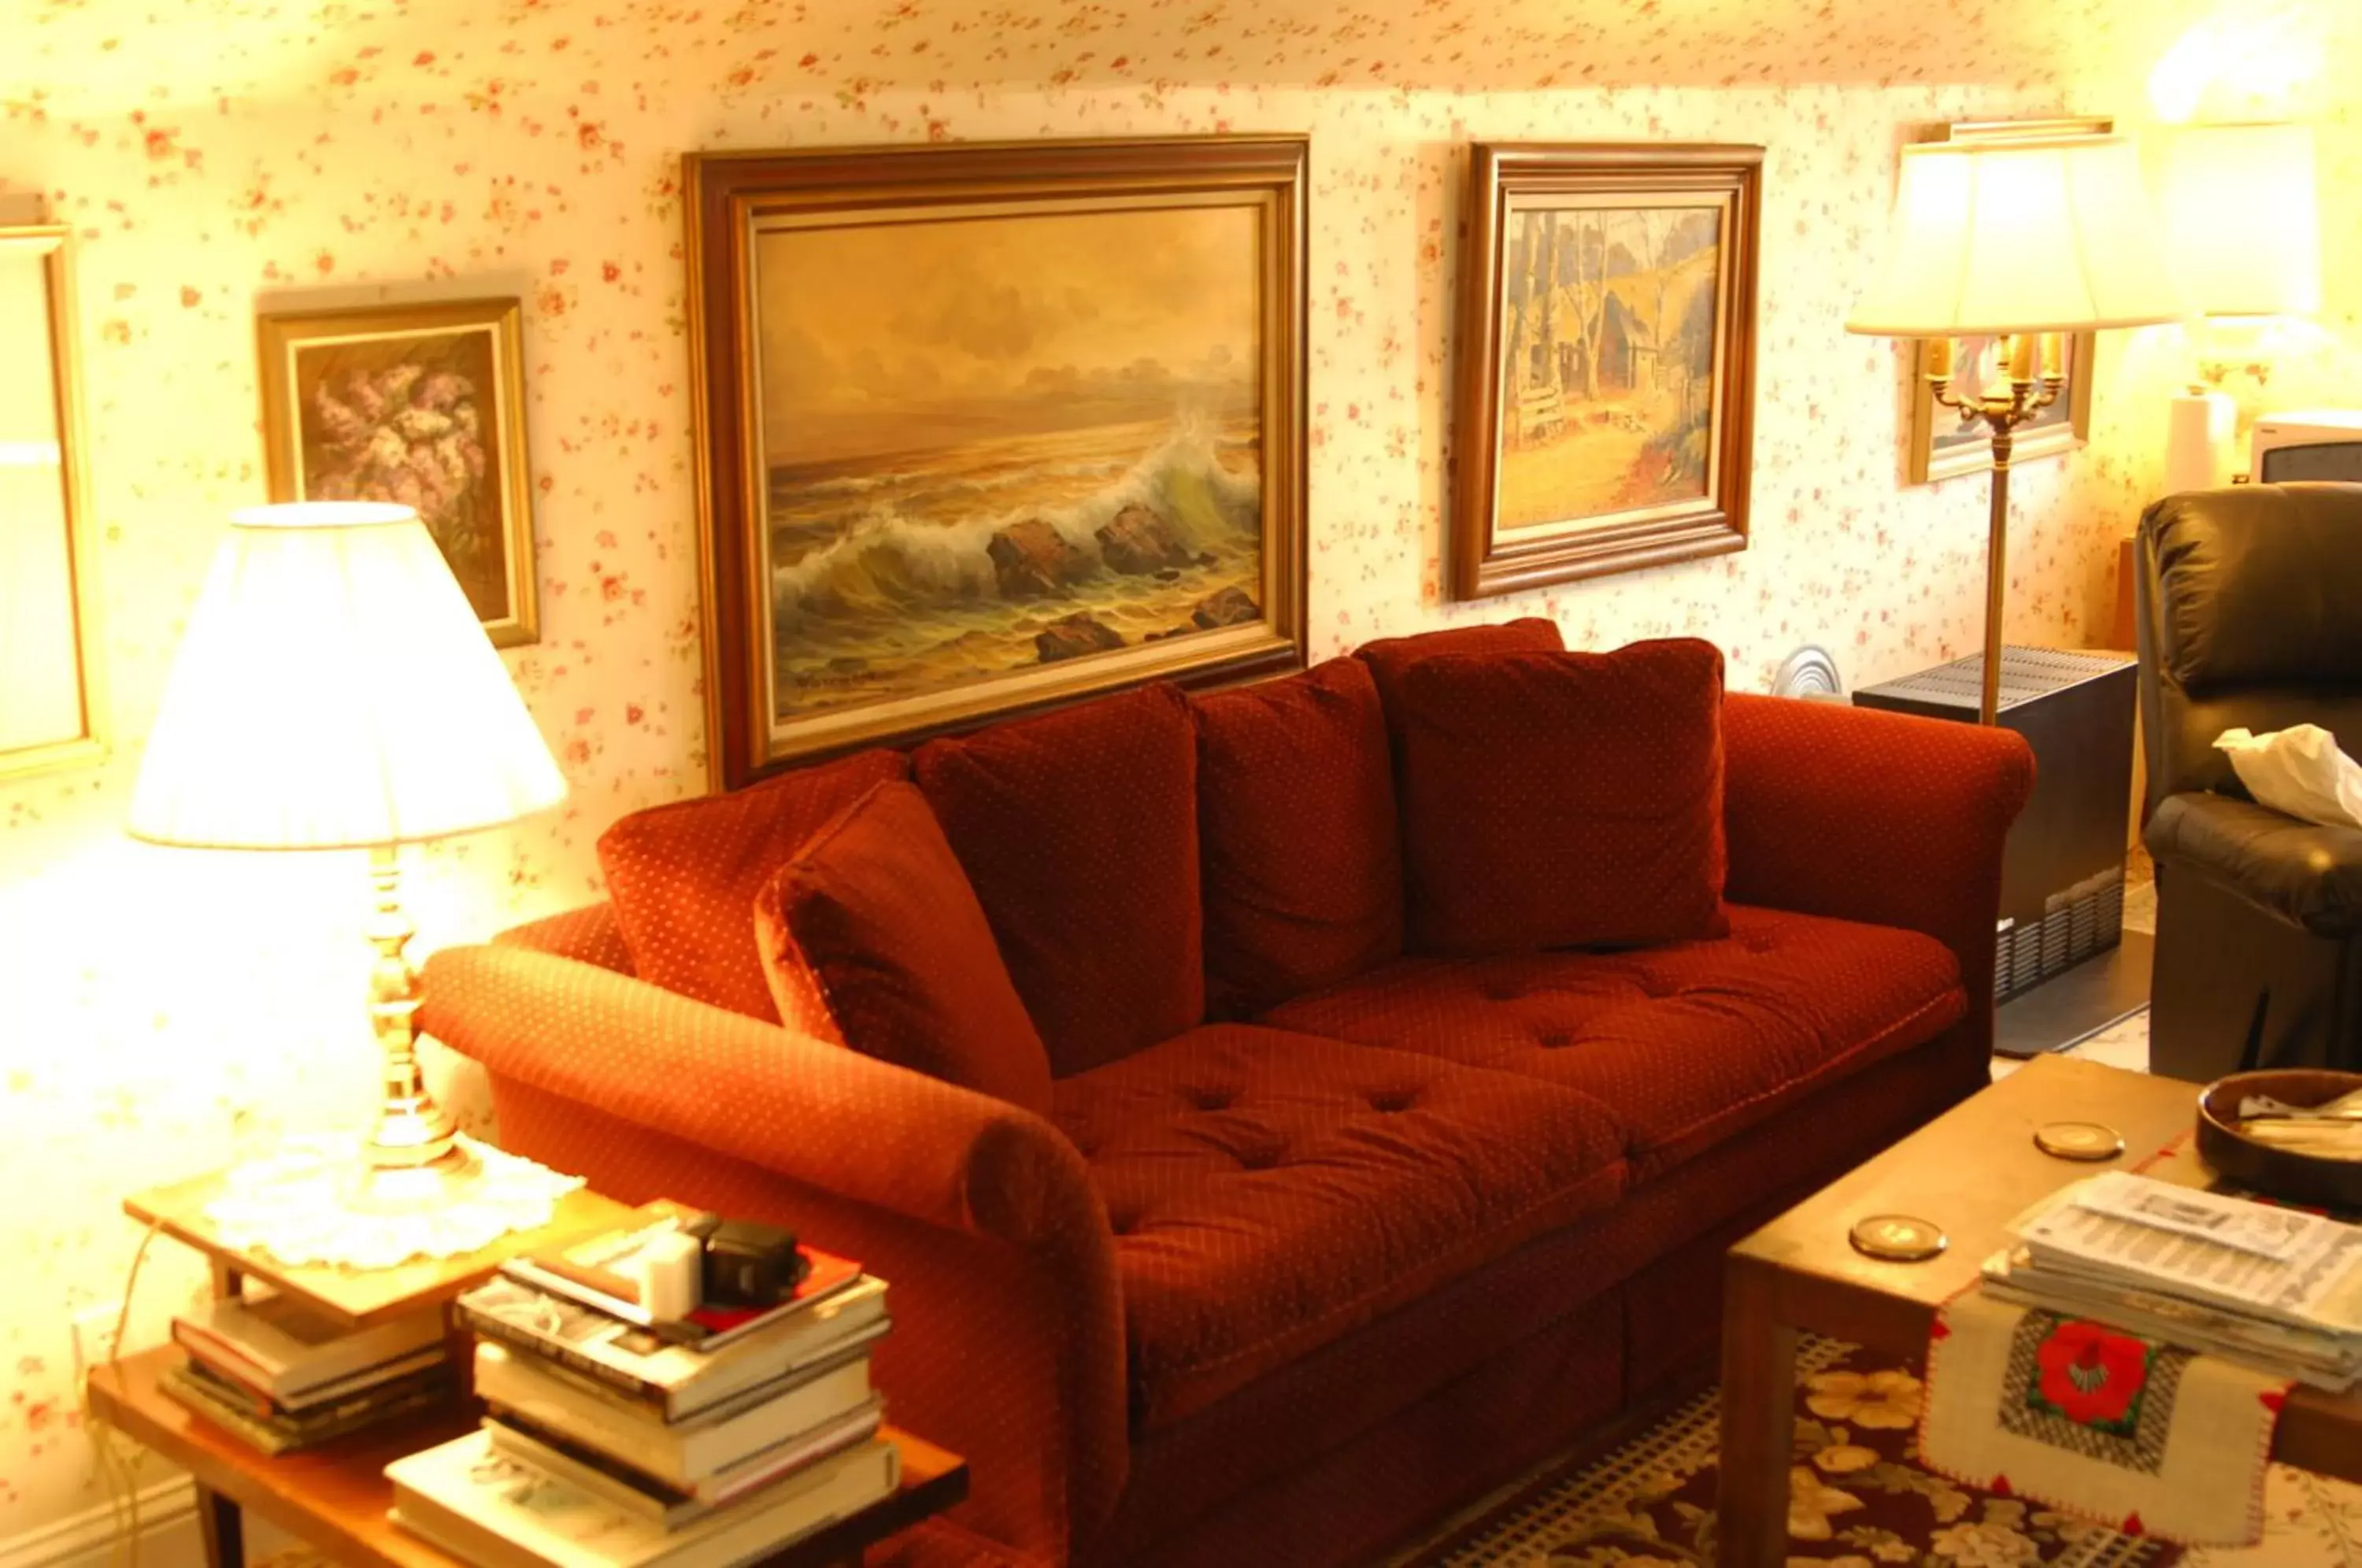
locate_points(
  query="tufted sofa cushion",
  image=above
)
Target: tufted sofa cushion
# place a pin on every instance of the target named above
(1295, 814)
(1688, 1044)
(1272, 1192)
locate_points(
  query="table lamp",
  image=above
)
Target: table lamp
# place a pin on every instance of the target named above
(2243, 232)
(2022, 241)
(334, 690)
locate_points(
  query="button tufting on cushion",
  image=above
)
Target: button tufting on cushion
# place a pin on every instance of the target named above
(1300, 1215)
(1686, 1044)
(1213, 1099)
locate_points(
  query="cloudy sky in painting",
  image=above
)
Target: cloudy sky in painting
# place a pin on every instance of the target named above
(900, 336)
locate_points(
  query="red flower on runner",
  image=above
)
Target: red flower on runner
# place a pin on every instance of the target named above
(2090, 1372)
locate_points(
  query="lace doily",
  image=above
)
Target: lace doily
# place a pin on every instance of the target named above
(316, 1204)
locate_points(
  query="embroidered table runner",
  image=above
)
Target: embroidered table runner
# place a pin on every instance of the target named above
(2089, 1420)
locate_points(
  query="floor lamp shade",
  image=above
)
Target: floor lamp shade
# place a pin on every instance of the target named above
(333, 689)
(2042, 235)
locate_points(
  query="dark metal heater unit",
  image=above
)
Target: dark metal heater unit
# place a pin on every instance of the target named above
(2062, 884)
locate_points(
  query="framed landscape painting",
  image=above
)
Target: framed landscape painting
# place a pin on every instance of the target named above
(1606, 371)
(986, 429)
(421, 405)
(1943, 441)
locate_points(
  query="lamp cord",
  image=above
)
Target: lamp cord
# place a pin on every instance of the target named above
(118, 1473)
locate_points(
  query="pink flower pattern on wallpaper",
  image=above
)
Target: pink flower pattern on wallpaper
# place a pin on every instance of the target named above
(215, 157)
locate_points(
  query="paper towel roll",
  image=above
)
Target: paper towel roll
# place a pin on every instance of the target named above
(2198, 442)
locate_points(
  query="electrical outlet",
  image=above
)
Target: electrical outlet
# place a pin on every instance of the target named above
(94, 1337)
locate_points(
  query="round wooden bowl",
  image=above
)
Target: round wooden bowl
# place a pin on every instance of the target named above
(2283, 1173)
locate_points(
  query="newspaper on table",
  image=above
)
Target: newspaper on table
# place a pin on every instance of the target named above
(2280, 1265)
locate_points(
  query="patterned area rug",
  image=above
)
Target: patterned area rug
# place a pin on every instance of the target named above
(1857, 1499)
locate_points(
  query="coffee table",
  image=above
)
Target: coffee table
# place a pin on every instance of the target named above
(1970, 1171)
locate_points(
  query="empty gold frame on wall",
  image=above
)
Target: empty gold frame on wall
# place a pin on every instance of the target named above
(50, 696)
(1946, 443)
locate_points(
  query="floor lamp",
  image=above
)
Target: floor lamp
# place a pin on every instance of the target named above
(2022, 242)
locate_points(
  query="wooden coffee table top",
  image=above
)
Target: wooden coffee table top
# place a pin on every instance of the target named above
(1971, 1172)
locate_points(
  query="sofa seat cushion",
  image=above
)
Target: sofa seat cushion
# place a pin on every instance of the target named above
(1687, 1043)
(1271, 1192)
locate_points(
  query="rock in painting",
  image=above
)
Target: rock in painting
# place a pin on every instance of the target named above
(1139, 542)
(1229, 607)
(1033, 561)
(1071, 636)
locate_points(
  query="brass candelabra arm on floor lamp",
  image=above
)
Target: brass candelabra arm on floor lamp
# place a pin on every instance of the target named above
(2033, 377)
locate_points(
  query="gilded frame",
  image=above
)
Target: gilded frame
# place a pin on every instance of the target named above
(54, 243)
(1931, 455)
(730, 197)
(1507, 177)
(508, 599)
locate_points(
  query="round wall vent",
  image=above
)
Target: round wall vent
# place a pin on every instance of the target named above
(1809, 673)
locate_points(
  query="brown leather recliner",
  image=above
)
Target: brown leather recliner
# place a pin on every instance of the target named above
(2250, 612)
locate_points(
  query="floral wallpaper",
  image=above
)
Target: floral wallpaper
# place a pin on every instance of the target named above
(167, 1011)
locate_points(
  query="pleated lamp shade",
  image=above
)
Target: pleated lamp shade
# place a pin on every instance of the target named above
(2243, 218)
(2043, 235)
(333, 689)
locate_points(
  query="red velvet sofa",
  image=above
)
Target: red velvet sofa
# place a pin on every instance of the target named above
(1327, 1228)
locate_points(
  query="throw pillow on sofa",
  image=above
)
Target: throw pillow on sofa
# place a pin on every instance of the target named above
(871, 937)
(1562, 799)
(1080, 832)
(1389, 658)
(683, 876)
(1301, 851)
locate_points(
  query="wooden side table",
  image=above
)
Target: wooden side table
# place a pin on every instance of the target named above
(335, 1496)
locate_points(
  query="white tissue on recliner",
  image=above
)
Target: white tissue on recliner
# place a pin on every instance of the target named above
(2299, 772)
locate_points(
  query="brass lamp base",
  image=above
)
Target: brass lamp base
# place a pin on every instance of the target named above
(413, 1157)
(2024, 394)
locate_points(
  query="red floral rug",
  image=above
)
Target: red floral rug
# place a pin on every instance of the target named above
(1859, 1497)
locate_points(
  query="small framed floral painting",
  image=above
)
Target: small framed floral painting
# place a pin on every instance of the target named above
(421, 405)
(1606, 407)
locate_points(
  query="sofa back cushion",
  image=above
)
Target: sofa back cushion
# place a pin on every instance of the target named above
(1562, 799)
(1080, 832)
(871, 937)
(1300, 848)
(683, 877)
(1389, 658)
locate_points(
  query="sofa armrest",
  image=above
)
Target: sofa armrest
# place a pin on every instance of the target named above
(2307, 874)
(1879, 817)
(1009, 1335)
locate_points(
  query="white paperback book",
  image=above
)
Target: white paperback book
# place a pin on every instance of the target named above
(490, 1510)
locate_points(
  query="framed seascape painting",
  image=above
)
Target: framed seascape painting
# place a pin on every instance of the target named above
(421, 405)
(986, 429)
(1944, 442)
(1607, 371)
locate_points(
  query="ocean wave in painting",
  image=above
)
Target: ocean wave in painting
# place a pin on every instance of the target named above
(930, 569)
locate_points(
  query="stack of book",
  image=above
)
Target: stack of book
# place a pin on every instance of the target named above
(2278, 1289)
(281, 1377)
(611, 1437)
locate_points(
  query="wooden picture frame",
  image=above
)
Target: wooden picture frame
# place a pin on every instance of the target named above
(53, 687)
(988, 427)
(1945, 444)
(1630, 445)
(418, 403)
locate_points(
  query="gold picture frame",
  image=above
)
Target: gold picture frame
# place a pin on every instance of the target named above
(52, 686)
(1945, 443)
(990, 428)
(419, 403)
(1625, 441)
